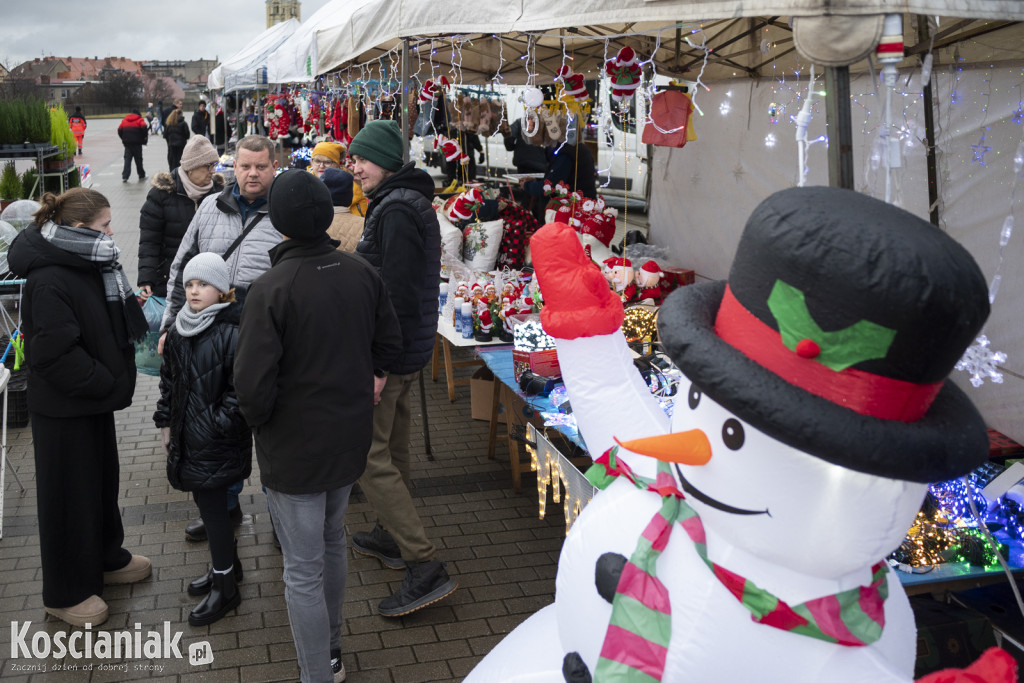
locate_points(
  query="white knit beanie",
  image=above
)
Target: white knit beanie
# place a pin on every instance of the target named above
(198, 152)
(210, 268)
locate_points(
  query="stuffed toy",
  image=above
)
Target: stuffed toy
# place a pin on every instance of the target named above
(647, 279)
(625, 74)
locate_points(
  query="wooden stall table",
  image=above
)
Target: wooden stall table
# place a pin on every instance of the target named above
(520, 408)
(446, 338)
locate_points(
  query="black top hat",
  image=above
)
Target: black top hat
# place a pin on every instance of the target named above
(841, 319)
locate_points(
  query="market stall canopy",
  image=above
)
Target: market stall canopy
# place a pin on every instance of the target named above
(746, 38)
(295, 60)
(245, 68)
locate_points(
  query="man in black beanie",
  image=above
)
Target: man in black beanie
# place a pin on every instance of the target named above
(402, 239)
(314, 328)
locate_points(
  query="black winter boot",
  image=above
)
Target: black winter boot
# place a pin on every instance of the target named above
(380, 544)
(196, 529)
(223, 598)
(425, 583)
(202, 585)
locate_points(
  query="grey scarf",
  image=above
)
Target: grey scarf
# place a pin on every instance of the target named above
(189, 323)
(100, 249)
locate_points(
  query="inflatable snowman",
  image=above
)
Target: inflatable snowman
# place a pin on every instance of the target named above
(743, 540)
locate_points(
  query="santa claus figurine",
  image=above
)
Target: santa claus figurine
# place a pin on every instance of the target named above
(484, 321)
(625, 74)
(647, 279)
(619, 273)
(572, 84)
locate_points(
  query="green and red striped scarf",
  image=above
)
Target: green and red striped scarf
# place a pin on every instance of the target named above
(636, 643)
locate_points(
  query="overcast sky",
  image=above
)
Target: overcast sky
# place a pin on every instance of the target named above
(136, 29)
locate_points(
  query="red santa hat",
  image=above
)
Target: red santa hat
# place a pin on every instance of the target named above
(626, 56)
(617, 262)
(651, 267)
(428, 92)
(563, 215)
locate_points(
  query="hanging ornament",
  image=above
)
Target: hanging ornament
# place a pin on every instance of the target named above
(625, 73)
(573, 92)
(981, 361)
(774, 111)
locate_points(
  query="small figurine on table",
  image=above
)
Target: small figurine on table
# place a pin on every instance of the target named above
(619, 273)
(647, 280)
(484, 322)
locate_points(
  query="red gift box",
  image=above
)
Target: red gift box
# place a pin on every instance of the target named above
(544, 363)
(675, 277)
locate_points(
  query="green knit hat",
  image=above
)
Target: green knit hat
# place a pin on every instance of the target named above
(381, 143)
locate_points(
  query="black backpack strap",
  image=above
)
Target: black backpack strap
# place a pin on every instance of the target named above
(256, 218)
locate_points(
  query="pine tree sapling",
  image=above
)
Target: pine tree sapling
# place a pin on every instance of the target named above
(10, 183)
(29, 183)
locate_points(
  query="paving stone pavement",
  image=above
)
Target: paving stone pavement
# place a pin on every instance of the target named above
(503, 556)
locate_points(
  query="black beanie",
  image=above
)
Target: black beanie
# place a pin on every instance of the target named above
(300, 205)
(339, 183)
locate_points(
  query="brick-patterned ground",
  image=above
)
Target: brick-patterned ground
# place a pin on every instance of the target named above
(503, 556)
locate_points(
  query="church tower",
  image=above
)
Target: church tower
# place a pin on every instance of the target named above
(282, 10)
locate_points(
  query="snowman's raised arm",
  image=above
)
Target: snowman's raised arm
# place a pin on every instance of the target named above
(609, 397)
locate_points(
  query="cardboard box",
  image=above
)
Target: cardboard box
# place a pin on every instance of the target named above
(481, 391)
(675, 277)
(544, 363)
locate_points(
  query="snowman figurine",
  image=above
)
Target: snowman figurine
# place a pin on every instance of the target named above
(744, 538)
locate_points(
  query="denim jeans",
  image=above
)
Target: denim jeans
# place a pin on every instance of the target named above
(311, 528)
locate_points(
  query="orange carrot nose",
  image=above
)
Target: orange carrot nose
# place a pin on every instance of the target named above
(685, 448)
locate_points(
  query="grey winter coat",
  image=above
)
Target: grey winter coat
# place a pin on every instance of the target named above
(214, 227)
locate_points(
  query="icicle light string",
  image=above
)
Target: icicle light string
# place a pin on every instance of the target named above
(604, 123)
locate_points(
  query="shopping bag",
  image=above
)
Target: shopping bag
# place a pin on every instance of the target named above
(147, 360)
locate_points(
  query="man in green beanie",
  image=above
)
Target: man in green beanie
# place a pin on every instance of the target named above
(402, 240)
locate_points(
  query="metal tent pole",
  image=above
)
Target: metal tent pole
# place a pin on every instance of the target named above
(840, 127)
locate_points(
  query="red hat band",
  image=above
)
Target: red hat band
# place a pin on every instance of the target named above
(862, 392)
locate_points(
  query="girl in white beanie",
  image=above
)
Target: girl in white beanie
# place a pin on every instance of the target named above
(209, 445)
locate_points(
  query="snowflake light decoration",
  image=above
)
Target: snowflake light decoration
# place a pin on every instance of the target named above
(981, 362)
(1018, 116)
(980, 150)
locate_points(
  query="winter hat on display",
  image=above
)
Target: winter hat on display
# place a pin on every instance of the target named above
(210, 268)
(379, 142)
(332, 150)
(339, 183)
(199, 151)
(300, 206)
(855, 311)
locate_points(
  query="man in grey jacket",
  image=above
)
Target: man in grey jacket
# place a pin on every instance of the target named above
(236, 225)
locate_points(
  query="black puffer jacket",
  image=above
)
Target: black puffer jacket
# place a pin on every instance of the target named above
(177, 135)
(163, 221)
(402, 240)
(211, 445)
(77, 364)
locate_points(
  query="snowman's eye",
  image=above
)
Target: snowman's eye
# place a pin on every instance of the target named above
(732, 434)
(694, 398)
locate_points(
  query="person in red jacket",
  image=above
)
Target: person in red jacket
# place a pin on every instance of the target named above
(134, 133)
(78, 126)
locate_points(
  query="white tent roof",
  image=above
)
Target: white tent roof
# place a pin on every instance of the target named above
(239, 70)
(377, 25)
(295, 60)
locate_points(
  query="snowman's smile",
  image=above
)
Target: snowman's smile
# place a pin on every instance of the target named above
(717, 504)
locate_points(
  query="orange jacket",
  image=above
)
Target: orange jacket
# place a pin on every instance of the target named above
(77, 123)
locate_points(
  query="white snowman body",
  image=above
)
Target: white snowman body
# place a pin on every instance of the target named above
(789, 522)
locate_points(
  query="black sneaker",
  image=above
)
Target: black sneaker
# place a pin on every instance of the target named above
(425, 583)
(378, 543)
(337, 668)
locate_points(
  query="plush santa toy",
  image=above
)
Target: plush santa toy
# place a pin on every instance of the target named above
(465, 205)
(647, 279)
(572, 84)
(625, 73)
(619, 273)
(431, 89)
(484, 321)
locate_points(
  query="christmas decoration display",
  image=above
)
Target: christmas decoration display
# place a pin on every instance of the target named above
(647, 279)
(625, 73)
(699, 560)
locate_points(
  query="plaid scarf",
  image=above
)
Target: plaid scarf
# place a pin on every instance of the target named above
(636, 642)
(99, 248)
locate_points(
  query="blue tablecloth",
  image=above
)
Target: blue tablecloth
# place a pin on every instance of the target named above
(499, 361)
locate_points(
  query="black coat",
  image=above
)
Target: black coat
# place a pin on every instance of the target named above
(77, 364)
(177, 135)
(313, 329)
(163, 220)
(402, 240)
(211, 445)
(201, 122)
